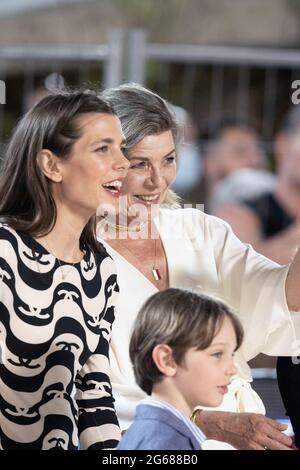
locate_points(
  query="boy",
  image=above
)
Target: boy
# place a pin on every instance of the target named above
(182, 350)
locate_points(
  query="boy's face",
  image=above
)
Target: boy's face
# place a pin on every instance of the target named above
(204, 376)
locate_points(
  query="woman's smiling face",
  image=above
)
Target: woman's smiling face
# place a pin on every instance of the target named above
(152, 170)
(94, 173)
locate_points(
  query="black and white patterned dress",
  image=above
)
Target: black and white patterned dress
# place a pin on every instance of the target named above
(54, 338)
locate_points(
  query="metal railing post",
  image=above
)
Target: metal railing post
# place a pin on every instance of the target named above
(136, 55)
(2, 77)
(113, 66)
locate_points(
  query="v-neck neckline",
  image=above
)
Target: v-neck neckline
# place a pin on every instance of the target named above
(45, 251)
(135, 268)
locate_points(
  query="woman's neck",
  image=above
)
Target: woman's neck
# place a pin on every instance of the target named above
(63, 240)
(132, 230)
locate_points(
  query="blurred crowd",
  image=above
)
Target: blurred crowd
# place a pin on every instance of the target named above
(227, 169)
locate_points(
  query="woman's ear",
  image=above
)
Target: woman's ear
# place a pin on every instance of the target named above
(162, 356)
(50, 165)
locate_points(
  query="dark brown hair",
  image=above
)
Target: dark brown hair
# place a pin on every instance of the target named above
(180, 319)
(26, 201)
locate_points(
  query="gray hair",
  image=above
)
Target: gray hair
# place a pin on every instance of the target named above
(142, 112)
(181, 319)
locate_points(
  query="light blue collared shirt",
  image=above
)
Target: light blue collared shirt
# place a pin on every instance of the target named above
(198, 434)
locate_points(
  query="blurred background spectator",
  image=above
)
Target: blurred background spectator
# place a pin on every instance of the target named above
(239, 186)
(189, 162)
(227, 146)
(267, 219)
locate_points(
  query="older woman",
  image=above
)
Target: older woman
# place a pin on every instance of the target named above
(155, 249)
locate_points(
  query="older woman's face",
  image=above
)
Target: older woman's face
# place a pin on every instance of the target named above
(152, 170)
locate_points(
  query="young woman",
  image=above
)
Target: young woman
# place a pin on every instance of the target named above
(57, 283)
(158, 247)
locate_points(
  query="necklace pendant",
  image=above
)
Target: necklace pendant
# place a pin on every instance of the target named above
(156, 274)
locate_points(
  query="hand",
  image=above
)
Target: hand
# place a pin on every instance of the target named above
(244, 431)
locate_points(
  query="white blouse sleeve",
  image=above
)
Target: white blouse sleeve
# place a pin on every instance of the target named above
(254, 287)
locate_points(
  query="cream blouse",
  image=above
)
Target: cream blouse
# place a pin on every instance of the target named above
(204, 255)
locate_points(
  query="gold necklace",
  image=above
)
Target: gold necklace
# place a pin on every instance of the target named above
(63, 275)
(136, 228)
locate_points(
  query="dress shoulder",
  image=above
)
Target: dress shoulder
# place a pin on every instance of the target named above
(8, 237)
(6, 232)
(191, 222)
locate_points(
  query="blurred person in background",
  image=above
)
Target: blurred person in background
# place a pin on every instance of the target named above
(228, 198)
(239, 186)
(189, 162)
(269, 223)
(227, 146)
(268, 220)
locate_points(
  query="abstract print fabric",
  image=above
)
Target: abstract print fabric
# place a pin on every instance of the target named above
(55, 327)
